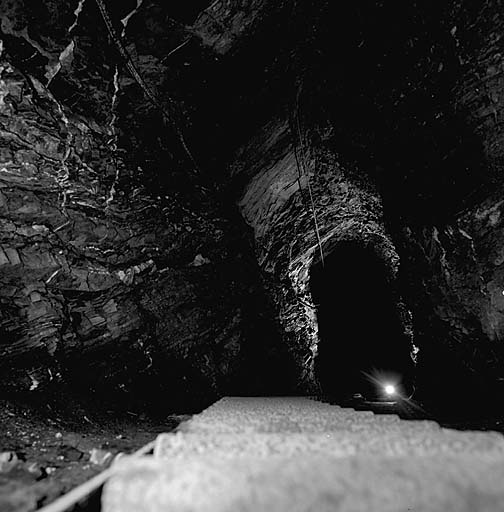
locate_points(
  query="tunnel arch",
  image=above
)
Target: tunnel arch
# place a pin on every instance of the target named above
(362, 339)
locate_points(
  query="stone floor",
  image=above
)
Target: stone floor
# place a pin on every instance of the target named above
(296, 454)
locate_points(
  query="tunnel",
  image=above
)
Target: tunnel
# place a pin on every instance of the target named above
(362, 345)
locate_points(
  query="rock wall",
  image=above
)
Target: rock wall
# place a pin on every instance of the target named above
(418, 110)
(120, 255)
(282, 172)
(454, 282)
(102, 284)
(457, 290)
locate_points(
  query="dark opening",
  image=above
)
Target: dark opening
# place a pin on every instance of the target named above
(361, 336)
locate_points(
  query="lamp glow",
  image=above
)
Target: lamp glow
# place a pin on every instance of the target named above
(389, 389)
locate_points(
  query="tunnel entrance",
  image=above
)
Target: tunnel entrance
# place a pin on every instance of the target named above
(361, 336)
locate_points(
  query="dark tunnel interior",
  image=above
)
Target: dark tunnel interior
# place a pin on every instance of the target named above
(362, 343)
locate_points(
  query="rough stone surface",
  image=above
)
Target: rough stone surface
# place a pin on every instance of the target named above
(394, 113)
(282, 176)
(103, 283)
(418, 113)
(285, 454)
(223, 25)
(460, 293)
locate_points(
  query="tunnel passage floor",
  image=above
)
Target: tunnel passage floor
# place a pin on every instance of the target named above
(297, 454)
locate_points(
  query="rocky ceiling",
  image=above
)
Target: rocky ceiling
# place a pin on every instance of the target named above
(169, 175)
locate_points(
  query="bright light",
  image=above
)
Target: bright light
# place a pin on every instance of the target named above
(389, 389)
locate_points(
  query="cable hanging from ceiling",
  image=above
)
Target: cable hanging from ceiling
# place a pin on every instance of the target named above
(295, 126)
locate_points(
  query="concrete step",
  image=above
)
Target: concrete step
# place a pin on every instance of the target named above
(294, 454)
(314, 483)
(287, 425)
(336, 444)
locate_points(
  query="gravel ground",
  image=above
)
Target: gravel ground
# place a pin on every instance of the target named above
(45, 451)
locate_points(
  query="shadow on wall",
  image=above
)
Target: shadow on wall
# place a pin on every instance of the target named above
(360, 332)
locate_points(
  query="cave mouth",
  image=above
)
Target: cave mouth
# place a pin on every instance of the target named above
(361, 337)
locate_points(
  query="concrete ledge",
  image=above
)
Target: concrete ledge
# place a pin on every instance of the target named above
(465, 483)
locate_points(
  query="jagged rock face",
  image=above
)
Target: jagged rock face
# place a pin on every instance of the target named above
(415, 103)
(292, 233)
(458, 296)
(388, 117)
(452, 266)
(95, 271)
(110, 280)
